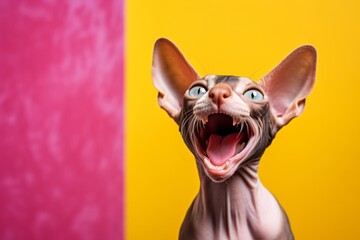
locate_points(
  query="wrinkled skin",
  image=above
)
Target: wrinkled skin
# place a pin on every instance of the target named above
(227, 122)
(232, 204)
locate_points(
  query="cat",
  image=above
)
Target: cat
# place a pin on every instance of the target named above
(227, 122)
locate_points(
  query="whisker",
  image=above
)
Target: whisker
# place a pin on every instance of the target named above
(188, 111)
(255, 72)
(241, 128)
(247, 127)
(190, 127)
(184, 123)
(198, 125)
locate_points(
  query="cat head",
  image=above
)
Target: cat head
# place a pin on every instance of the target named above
(228, 121)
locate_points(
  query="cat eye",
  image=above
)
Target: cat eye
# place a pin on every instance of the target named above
(254, 95)
(197, 91)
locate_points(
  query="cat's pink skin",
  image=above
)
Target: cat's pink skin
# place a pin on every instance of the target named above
(232, 202)
(240, 208)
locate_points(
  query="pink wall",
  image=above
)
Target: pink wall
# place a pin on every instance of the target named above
(61, 119)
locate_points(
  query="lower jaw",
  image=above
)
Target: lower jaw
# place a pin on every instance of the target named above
(217, 176)
(222, 168)
(218, 173)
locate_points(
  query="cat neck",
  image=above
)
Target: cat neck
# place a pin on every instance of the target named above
(238, 208)
(233, 195)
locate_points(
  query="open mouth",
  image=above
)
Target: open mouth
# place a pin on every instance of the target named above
(222, 144)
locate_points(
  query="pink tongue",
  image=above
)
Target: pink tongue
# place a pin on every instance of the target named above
(220, 148)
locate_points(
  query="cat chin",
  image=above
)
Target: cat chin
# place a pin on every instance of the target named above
(218, 173)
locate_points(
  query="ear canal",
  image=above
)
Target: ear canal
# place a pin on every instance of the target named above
(171, 75)
(290, 83)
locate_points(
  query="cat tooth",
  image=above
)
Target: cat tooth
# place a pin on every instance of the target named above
(204, 120)
(207, 161)
(242, 127)
(210, 165)
(226, 165)
(236, 121)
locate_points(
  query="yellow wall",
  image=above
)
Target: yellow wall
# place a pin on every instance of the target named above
(312, 167)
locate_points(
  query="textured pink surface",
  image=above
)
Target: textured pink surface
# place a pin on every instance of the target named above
(61, 119)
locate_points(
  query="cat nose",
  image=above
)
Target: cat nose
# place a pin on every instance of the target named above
(220, 93)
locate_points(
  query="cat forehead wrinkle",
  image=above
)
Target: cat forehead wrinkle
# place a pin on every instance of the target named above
(236, 83)
(221, 78)
(216, 79)
(227, 79)
(245, 83)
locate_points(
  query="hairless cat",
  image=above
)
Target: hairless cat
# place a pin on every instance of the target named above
(227, 122)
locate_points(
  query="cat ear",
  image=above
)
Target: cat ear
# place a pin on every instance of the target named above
(171, 75)
(290, 83)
